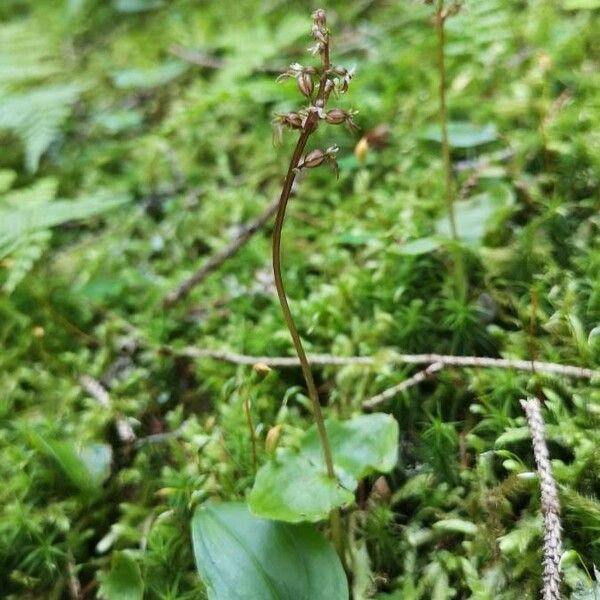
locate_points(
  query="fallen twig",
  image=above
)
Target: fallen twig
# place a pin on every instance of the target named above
(549, 501)
(215, 261)
(97, 391)
(411, 359)
(404, 385)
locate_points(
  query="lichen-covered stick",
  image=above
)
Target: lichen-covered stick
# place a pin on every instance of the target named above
(549, 501)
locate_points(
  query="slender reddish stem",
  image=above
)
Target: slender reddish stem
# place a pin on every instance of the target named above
(309, 127)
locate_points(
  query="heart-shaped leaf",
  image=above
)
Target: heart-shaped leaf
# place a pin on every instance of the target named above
(295, 487)
(239, 555)
(362, 445)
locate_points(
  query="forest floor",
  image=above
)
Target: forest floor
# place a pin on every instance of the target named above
(136, 143)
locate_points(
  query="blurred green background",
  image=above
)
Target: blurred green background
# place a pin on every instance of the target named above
(135, 141)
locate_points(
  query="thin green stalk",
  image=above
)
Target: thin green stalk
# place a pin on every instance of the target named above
(459, 270)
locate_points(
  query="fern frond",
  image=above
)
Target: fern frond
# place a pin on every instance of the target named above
(23, 256)
(32, 54)
(15, 224)
(481, 30)
(26, 217)
(36, 117)
(33, 114)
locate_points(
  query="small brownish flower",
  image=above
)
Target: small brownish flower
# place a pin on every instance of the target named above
(337, 116)
(305, 84)
(290, 120)
(317, 157)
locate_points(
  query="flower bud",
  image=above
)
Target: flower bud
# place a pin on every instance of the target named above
(272, 439)
(305, 84)
(319, 17)
(262, 368)
(378, 136)
(380, 492)
(361, 150)
(335, 116)
(313, 159)
(293, 120)
(339, 70)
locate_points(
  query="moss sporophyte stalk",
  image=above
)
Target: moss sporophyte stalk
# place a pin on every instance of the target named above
(331, 79)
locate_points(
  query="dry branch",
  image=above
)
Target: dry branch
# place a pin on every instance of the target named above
(215, 261)
(409, 359)
(404, 385)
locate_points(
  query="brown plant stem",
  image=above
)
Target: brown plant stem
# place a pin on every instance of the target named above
(335, 519)
(459, 271)
(287, 314)
(309, 126)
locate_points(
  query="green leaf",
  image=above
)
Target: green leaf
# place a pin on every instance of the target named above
(101, 289)
(97, 458)
(128, 79)
(478, 214)
(589, 590)
(295, 487)
(512, 435)
(119, 120)
(362, 445)
(7, 177)
(239, 555)
(420, 246)
(456, 526)
(137, 6)
(124, 580)
(292, 488)
(462, 134)
(515, 542)
(355, 238)
(581, 4)
(86, 467)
